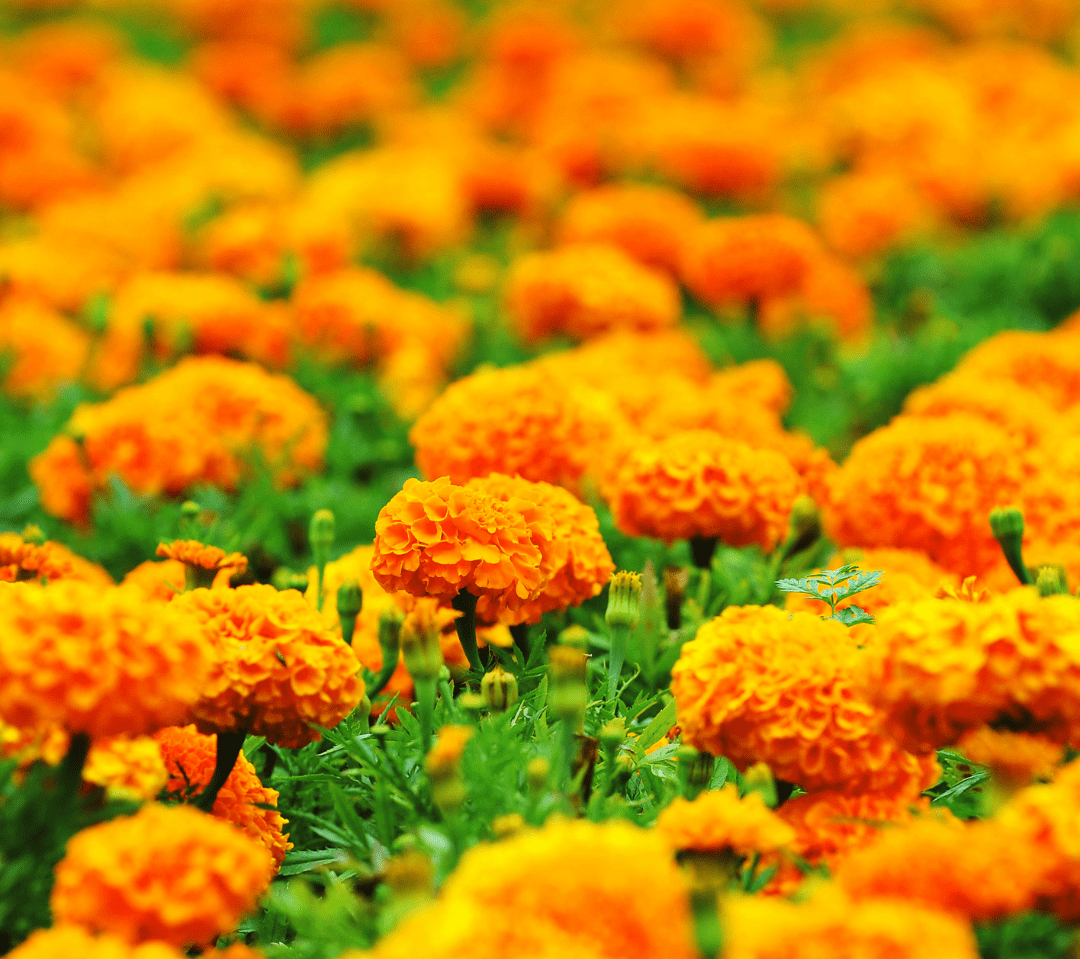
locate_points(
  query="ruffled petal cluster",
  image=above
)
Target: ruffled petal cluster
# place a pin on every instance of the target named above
(127, 767)
(758, 684)
(938, 668)
(718, 821)
(436, 539)
(44, 349)
(168, 873)
(278, 671)
(20, 561)
(574, 560)
(699, 484)
(199, 422)
(102, 662)
(243, 800)
(65, 942)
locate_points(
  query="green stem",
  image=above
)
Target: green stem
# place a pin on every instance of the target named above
(228, 749)
(425, 710)
(567, 750)
(71, 767)
(520, 632)
(702, 549)
(706, 922)
(319, 599)
(620, 635)
(465, 603)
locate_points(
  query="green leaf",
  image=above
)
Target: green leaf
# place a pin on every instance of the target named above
(654, 732)
(852, 616)
(299, 861)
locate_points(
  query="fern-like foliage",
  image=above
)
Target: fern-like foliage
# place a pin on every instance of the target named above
(833, 586)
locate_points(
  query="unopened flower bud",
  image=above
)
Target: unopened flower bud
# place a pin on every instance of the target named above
(33, 535)
(695, 770)
(420, 643)
(759, 778)
(189, 509)
(575, 636)
(805, 520)
(1007, 525)
(624, 599)
(568, 693)
(499, 689)
(613, 734)
(506, 826)
(472, 702)
(350, 601)
(321, 531)
(1051, 580)
(537, 774)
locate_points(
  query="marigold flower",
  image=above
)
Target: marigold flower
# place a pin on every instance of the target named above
(758, 684)
(587, 289)
(449, 747)
(719, 820)
(199, 422)
(99, 661)
(866, 212)
(831, 296)
(574, 560)
(189, 763)
(128, 768)
(929, 484)
(522, 420)
(168, 873)
(64, 941)
(44, 349)
(941, 667)
(649, 223)
(1014, 759)
(278, 671)
(765, 927)
(699, 484)
(609, 891)
(204, 562)
(20, 560)
(160, 580)
(436, 539)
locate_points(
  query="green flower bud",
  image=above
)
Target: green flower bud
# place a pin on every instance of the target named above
(1051, 580)
(568, 693)
(1006, 522)
(33, 535)
(350, 599)
(321, 531)
(537, 774)
(575, 636)
(499, 689)
(420, 644)
(613, 734)
(624, 598)
(189, 509)
(759, 778)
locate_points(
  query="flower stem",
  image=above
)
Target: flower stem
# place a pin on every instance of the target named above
(702, 549)
(228, 749)
(425, 690)
(520, 632)
(72, 766)
(465, 603)
(620, 635)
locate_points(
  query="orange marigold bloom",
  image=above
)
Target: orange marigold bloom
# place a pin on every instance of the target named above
(448, 749)
(718, 820)
(199, 422)
(586, 289)
(66, 941)
(864, 213)
(650, 223)
(574, 560)
(941, 667)
(766, 927)
(976, 870)
(748, 259)
(278, 671)
(128, 768)
(168, 873)
(929, 484)
(1014, 759)
(189, 760)
(44, 349)
(436, 539)
(100, 661)
(20, 560)
(758, 684)
(609, 891)
(831, 296)
(206, 564)
(523, 420)
(159, 580)
(699, 484)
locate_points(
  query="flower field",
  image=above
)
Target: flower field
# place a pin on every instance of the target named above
(503, 478)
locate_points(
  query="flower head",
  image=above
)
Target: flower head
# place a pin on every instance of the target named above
(278, 671)
(760, 684)
(102, 662)
(128, 768)
(63, 942)
(436, 539)
(243, 800)
(21, 560)
(168, 873)
(719, 820)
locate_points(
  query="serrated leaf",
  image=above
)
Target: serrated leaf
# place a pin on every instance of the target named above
(852, 616)
(654, 732)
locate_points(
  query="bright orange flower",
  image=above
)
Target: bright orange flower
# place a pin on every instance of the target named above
(278, 671)
(718, 820)
(191, 552)
(941, 667)
(864, 213)
(100, 661)
(700, 484)
(65, 941)
(160, 580)
(574, 561)
(587, 289)
(521, 420)
(128, 768)
(168, 873)
(189, 760)
(758, 684)
(20, 560)
(1014, 759)
(436, 539)
(45, 350)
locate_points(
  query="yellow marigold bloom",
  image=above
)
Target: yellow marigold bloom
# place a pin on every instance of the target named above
(67, 941)
(699, 484)
(277, 672)
(718, 820)
(436, 539)
(765, 927)
(758, 684)
(168, 873)
(522, 420)
(929, 484)
(186, 313)
(574, 560)
(586, 289)
(609, 891)
(188, 759)
(160, 580)
(102, 662)
(44, 348)
(199, 422)
(128, 768)
(1014, 759)
(650, 223)
(976, 870)
(941, 667)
